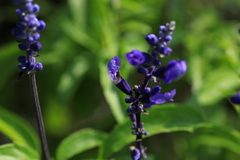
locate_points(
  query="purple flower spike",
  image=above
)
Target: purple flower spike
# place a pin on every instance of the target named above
(175, 70)
(235, 99)
(152, 39)
(135, 57)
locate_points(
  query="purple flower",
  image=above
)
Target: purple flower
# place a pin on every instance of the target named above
(135, 153)
(155, 97)
(235, 99)
(113, 69)
(114, 74)
(173, 71)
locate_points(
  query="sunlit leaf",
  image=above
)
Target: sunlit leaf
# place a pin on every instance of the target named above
(162, 119)
(15, 151)
(218, 136)
(78, 142)
(70, 79)
(18, 130)
(218, 84)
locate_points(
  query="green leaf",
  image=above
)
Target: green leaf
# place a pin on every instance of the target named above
(110, 93)
(70, 79)
(78, 142)
(15, 151)
(18, 130)
(218, 84)
(162, 119)
(78, 10)
(220, 136)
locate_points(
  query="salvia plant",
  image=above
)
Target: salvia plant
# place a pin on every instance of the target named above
(27, 33)
(142, 97)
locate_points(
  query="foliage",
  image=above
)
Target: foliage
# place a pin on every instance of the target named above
(82, 108)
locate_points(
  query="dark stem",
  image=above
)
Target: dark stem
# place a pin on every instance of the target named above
(45, 151)
(139, 136)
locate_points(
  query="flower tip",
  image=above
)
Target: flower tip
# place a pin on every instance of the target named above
(235, 99)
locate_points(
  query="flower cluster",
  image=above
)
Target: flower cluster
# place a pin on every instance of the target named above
(27, 34)
(141, 96)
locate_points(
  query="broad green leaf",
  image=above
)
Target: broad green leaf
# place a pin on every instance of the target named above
(78, 10)
(79, 36)
(18, 130)
(219, 136)
(70, 80)
(162, 119)
(110, 93)
(78, 142)
(15, 151)
(218, 84)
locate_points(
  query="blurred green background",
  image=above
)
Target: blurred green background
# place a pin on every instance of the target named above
(75, 91)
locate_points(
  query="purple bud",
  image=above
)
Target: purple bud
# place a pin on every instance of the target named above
(19, 12)
(29, 39)
(167, 38)
(28, 7)
(38, 66)
(36, 37)
(142, 70)
(21, 25)
(145, 91)
(41, 26)
(155, 90)
(36, 46)
(155, 53)
(132, 117)
(162, 29)
(135, 57)
(129, 99)
(23, 46)
(235, 99)
(152, 39)
(156, 62)
(134, 132)
(36, 8)
(145, 133)
(22, 59)
(165, 50)
(30, 65)
(159, 72)
(16, 32)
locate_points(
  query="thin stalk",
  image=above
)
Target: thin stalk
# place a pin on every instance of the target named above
(139, 136)
(42, 134)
